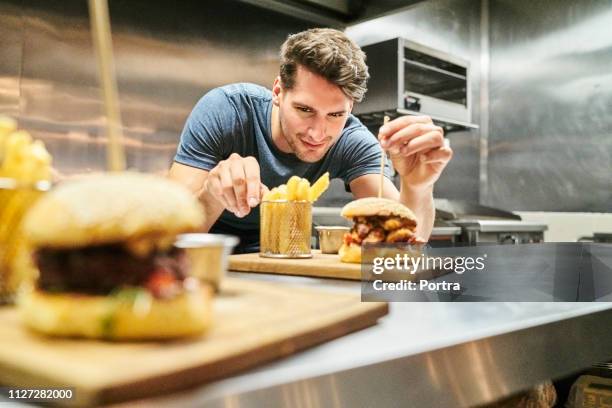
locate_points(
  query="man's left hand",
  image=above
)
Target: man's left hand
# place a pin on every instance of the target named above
(417, 149)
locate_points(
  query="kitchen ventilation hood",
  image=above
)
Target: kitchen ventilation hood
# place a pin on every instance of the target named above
(334, 13)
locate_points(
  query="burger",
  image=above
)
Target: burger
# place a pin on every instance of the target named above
(376, 221)
(107, 266)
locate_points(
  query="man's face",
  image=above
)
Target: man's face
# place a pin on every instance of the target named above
(312, 114)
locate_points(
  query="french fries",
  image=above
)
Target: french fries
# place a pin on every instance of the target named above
(318, 188)
(7, 126)
(303, 188)
(21, 158)
(292, 188)
(27, 162)
(286, 216)
(298, 189)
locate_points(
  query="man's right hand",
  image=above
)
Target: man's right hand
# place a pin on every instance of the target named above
(236, 184)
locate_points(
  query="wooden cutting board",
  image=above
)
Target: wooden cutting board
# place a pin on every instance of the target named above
(254, 322)
(320, 265)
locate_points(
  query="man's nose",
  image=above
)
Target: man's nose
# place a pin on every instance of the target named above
(318, 131)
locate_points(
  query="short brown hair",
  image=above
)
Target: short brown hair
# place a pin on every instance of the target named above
(328, 53)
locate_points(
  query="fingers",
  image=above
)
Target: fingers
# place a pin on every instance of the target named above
(426, 142)
(215, 188)
(441, 155)
(239, 186)
(403, 137)
(227, 189)
(253, 183)
(235, 183)
(400, 123)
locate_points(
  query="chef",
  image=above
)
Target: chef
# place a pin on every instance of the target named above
(242, 138)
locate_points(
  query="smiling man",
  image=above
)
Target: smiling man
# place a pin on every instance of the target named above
(242, 138)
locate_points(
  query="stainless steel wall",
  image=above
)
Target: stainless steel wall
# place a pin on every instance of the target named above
(11, 26)
(550, 135)
(452, 26)
(541, 85)
(167, 56)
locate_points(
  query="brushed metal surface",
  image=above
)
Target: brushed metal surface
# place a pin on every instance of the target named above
(550, 135)
(11, 27)
(544, 142)
(166, 57)
(453, 27)
(484, 101)
(421, 355)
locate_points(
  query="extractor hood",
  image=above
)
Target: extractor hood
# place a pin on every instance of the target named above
(334, 13)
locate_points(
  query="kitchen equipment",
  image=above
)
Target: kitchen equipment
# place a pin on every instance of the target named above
(331, 238)
(598, 237)
(465, 210)
(254, 322)
(500, 232)
(337, 13)
(590, 391)
(482, 224)
(208, 255)
(462, 223)
(286, 228)
(407, 78)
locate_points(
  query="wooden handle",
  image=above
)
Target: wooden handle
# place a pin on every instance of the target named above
(383, 155)
(101, 32)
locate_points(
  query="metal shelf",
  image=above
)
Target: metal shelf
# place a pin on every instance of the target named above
(436, 69)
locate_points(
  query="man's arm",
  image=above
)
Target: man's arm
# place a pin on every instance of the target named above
(195, 180)
(419, 201)
(419, 155)
(233, 184)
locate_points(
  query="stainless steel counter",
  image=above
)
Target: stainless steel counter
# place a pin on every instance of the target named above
(421, 354)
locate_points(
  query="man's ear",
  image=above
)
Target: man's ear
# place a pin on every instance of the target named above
(277, 90)
(351, 105)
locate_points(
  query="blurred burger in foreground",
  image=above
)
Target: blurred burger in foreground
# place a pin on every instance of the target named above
(107, 266)
(376, 221)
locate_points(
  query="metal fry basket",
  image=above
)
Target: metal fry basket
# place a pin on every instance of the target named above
(285, 229)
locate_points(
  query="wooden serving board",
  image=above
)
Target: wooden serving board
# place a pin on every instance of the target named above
(249, 328)
(320, 265)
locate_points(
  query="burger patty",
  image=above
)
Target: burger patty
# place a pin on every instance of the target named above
(98, 270)
(378, 229)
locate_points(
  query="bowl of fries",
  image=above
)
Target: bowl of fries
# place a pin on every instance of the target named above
(25, 173)
(286, 218)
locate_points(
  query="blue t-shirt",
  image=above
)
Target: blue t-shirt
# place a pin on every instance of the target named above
(237, 119)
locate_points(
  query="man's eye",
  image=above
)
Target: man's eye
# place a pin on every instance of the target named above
(303, 109)
(337, 115)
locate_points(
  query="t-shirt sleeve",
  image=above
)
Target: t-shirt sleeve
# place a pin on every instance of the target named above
(361, 154)
(207, 137)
